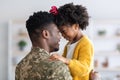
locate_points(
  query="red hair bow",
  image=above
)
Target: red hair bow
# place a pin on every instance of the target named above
(54, 10)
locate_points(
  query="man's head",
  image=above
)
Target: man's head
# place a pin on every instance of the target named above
(42, 31)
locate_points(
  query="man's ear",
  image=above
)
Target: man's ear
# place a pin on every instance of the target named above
(76, 26)
(45, 34)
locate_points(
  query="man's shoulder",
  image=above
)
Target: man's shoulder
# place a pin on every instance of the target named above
(57, 63)
(49, 70)
(58, 67)
(58, 70)
(54, 66)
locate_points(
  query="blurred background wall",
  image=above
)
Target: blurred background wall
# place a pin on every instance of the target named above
(13, 14)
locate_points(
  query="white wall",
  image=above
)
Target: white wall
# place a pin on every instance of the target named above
(12, 9)
(3, 51)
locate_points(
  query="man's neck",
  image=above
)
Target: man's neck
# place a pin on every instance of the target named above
(42, 45)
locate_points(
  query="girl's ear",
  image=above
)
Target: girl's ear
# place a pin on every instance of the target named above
(45, 34)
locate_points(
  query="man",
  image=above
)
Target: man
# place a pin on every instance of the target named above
(45, 38)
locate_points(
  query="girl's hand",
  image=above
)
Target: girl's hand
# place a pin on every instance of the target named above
(54, 57)
(58, 57)
(94, 75)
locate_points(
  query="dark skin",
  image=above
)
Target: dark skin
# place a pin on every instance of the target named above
(70, 33)
(47, 39)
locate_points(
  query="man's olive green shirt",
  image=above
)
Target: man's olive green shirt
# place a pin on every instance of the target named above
(37, 66)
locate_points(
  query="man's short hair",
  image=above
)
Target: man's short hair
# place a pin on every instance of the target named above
(39, 20)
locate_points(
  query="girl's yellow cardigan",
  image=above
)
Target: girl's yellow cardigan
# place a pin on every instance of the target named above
(82, 60)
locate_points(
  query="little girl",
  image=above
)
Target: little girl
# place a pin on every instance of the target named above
(78, 52)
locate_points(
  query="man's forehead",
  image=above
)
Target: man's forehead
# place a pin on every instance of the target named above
(53, 26)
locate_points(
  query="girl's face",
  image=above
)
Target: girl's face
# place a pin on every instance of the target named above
(69, 32)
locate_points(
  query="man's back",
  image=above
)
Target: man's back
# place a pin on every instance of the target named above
(37, 66)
